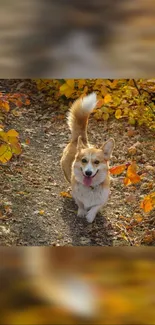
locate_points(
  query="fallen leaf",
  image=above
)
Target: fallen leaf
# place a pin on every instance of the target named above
(137, 217)
(5, 153)
(65, 194)
(12, 133)
(107, 99)
(116, 170)
(132, 150)
(27, 141)
(131, 176)
(41, 212)
(67, 88)
(131, 133)
(118, 113)
(148, 202)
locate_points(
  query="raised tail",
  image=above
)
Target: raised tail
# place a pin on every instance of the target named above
(79, 114)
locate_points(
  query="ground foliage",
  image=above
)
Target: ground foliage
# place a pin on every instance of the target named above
(125, 111)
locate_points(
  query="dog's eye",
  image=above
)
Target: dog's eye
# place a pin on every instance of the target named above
(96, 162)
(84, 161)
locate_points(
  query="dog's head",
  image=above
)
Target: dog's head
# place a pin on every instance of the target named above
(90, 166)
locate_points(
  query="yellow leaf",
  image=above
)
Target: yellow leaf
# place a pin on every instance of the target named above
(132, 121)
(5, 153)
(81, 83)
(13, 133)
(22, 193)
(70, 82)
(98, 115)
(112, 84)
(105, 116)
(67, 88)
(118, 113)
(41, 212)
(65, 194)
(103, 91)
(126, 111)
(3, 136)
(107, 99)
(16, 148)
(105, 109)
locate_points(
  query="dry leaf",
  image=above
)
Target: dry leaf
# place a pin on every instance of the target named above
(65, 194)
(131, 176)
(148, 202)
(116, 170)
(107, 99)
(118, 113)
(27, 141)
(137, 217)
(41, 212)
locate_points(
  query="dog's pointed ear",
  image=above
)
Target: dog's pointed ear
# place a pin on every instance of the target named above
(108, 148)
(80, 144)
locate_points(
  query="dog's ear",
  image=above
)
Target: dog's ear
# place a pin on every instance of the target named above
(108, 148)
(80, 144)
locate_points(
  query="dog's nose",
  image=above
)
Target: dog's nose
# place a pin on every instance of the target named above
(88, 172)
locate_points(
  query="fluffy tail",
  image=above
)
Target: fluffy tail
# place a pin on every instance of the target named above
(79, 114)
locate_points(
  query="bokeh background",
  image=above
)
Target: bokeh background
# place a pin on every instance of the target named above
(77, 39)
(112, 286)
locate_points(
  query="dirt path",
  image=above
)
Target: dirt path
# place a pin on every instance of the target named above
(31, 186)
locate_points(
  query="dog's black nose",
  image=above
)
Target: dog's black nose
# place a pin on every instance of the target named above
(88, 173)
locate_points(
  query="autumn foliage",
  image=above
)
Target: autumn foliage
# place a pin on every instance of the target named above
(132, 100)
(9, 141)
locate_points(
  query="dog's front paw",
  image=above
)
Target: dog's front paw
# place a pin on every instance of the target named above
(90, 217)
(81, 212)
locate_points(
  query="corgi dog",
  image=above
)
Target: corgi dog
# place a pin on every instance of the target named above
(85, 167)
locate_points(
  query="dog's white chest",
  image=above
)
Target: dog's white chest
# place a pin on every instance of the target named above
(90, 196)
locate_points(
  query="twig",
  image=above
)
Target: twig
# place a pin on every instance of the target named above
(136, 86)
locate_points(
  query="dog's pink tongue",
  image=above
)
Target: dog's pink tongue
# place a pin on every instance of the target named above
(87, 181)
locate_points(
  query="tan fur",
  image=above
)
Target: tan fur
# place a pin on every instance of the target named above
(77, 122)
(79, 157)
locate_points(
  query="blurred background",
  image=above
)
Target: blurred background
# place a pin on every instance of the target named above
(77, 39)
(70, 285)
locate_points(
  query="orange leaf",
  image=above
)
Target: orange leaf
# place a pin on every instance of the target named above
(65, 194)
(148, 203)
(27, 102)
(116, 170)
(27, 141)
(131, 175)
(12, 133)
(107, 99)
(41, 212)
(127, 181)
(138, 217)
(100, 103)
(6, 106)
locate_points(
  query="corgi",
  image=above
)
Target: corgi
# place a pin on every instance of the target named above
(85, 167)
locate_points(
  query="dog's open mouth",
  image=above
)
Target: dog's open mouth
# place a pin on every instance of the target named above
(87, 180)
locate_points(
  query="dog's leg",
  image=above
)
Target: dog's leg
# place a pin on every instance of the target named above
(93, 212)
(81, 210)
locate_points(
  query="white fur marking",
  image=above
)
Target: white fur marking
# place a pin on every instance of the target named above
(89, 102)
